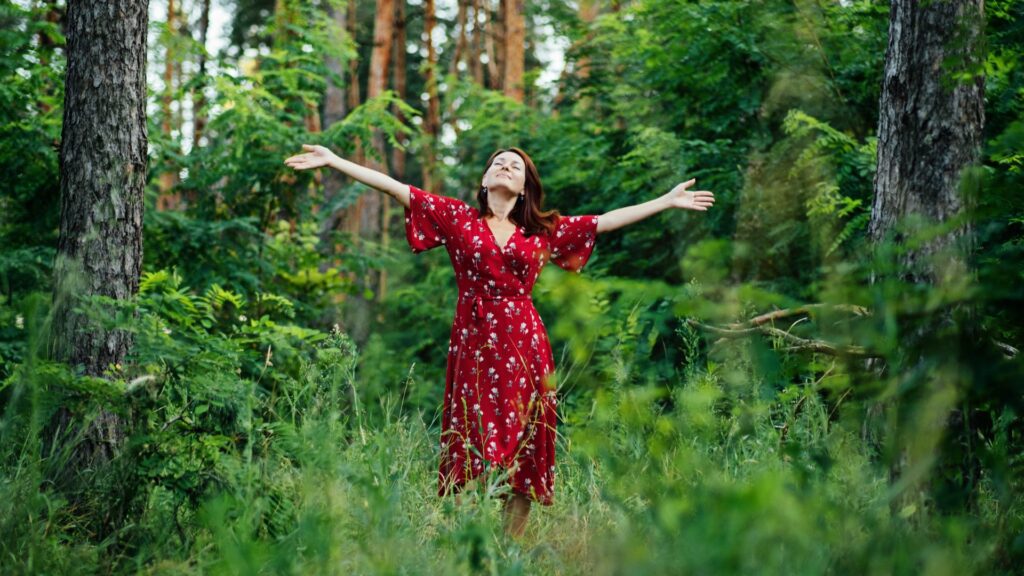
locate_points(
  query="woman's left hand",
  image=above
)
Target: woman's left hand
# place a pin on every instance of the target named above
(681, 197)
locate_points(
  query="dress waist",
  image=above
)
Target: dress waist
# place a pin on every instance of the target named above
(478, 301)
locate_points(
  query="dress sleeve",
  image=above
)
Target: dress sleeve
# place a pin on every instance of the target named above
(573, 241)
(432, 219)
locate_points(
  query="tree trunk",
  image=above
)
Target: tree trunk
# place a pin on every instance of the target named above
(351, 217)
(588, 12)
(462, 42)
(383, 34)
(480, 28)
(199, 96)
(335, 109)
(514, 52)
(494, 37)
(432, 125)
(168, 178)
(102, 176)
(369, 206)
(929, 132)
(354, 96)
(46, 51)
(929, 125)
(398, 77)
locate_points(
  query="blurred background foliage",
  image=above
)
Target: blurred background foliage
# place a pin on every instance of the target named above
(264, 439)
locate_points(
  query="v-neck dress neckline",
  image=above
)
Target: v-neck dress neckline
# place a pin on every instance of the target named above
(494, 238)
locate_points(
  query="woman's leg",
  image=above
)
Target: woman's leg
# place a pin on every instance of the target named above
(517, 510)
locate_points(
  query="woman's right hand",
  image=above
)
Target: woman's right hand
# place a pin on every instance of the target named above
(315, 157)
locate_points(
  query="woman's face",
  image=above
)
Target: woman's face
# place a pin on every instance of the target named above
(506, 172)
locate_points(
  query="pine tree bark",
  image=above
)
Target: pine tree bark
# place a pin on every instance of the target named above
(335, 109)
(199, 95)
(462, 42)
(432, 124)
(931, 114)
(929, 125)
(166, 200)
(358, 312)
(515, 46)
(399, 80)
(480, 30)
(354, 94)
(588, 11)
(103, 162)
(351, 217)
(494, 38)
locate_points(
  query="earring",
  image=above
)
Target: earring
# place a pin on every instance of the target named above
(483, 190)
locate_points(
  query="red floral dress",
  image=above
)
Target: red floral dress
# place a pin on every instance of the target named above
(499, 402)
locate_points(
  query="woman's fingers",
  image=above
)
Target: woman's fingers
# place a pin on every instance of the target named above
(313, 158)
(302, 161)
(698, 200)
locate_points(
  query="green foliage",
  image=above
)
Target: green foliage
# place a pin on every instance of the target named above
(259, 438)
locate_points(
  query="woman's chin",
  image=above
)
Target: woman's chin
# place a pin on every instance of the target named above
(500, 187)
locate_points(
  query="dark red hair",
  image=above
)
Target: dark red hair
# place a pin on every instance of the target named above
(529, 212)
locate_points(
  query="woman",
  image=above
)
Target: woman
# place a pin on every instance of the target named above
(499, 403)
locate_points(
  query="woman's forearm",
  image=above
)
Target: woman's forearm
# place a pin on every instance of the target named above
(373, 179)
(628, 215)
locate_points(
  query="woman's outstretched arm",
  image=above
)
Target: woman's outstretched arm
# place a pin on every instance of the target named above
(320, 156)
(678, 197)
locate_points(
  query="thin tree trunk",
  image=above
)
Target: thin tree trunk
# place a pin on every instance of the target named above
(397, 154)
(46, 49)
(103, 163)
(479, 32)
(352, 216)
(494, 37)
(358, 311)
(432, 125)
(461, 43)
(199, 95)
(354, 95)
(335, 110)
(398, 77)
(514, 52)
(166, 201)
(588, 12)
(383, 34)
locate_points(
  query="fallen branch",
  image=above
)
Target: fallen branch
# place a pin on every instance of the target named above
(805, 309)
(797, 343)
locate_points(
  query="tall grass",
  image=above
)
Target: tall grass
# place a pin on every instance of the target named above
(674, 456)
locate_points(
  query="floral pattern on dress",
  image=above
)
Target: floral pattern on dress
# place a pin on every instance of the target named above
(499, 400)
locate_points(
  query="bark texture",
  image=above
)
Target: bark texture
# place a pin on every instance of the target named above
(102, 172)
(199, 97)
(515, 49)
(168, 179)
(335, 110)
(399, 82)
(369, 206)
(930, 121)
(463, 38)
(931, 113)
(432, 124)
(494, 38)
(480, 31)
